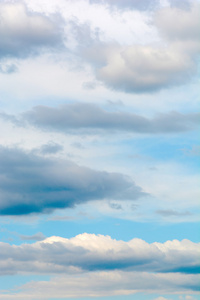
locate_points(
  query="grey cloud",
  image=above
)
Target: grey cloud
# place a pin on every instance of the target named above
(143, 69)
(173, 213)
(51, 148)
(183, 4)
(22, 31)
(187, 29)
(193, 151)
(90, 117)
(8, 68)
(33, 184)
(36, 237)
(90, 85)
(128, 4)
(115, 205)
(89, 252)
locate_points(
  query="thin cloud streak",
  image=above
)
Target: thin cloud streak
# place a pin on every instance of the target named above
(91, 118)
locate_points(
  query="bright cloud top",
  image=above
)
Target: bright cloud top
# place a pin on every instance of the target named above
(89, 252)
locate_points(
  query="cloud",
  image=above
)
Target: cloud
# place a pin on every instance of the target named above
(36, 237)
(8, 68)
(115, 206)
(33, 184)
(193, 151)
(100, 284)
(22, 32)
(128, 4)
(91, 118)
(90, 252)
(51, 148)
(144, 69)
(188, 26)
(173, 213)
(138, 68)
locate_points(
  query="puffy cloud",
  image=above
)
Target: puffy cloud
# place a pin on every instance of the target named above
(89, 252)
(146, 68)
(115, 267)
(33, 184)
(90, 117)
(23, 31)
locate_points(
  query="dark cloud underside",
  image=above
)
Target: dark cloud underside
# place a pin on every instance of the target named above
(32, 184)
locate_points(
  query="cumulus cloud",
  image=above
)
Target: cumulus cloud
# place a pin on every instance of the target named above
(145, 68)
(33, 184)
(90, 252)
(91, 117)
(23, 31)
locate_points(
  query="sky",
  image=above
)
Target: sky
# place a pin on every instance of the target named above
(99, 149)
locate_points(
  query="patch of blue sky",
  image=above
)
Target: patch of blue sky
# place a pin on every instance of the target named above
(118, 229)
(177, 148)
(12, 282)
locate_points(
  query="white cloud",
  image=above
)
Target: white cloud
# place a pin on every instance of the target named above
(89, 252)
(146, 68)
(34, 184)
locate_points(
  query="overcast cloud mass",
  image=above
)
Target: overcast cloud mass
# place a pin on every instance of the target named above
(99, 149)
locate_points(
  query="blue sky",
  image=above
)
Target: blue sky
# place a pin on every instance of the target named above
(99, 149)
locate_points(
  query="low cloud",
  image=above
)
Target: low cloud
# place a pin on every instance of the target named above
(91, 117)
(145, 68)
(90, 252)
(36, 237)
(128, 4)
(104, 284)
(51, 148)
(173, 213)
(22, 32)
(33, 184)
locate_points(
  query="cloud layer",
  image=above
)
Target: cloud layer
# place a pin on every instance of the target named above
(91, 117)
(33, 184)
(89, 252)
